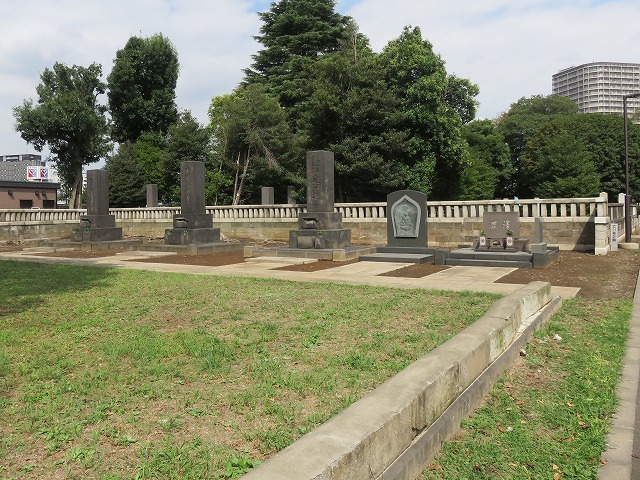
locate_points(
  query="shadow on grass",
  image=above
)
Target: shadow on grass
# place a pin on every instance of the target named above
(23, 284)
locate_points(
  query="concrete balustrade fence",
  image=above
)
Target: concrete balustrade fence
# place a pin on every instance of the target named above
(570, 223)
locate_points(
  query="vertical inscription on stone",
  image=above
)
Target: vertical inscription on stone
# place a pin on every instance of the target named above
(97, 192)
(320, 192)
(192, 187)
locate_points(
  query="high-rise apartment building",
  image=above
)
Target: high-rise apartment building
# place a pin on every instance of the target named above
(598, 87)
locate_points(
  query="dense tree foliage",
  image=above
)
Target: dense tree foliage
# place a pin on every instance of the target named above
(68, 119)
(520, 123)
(489, 167)
(187, 140)
(351, 111)
(295, 33)
(417, 76)
(392, 119)
(142, 87)
(253, 143)
(580, 155)
(127, 186)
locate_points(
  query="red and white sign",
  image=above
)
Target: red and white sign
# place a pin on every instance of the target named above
(44, 173)
(32, 173)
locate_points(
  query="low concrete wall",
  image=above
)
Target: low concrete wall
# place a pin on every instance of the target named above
(363, 440)
(566, 233)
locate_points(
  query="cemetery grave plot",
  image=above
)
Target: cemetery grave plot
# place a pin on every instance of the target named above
(612, 275)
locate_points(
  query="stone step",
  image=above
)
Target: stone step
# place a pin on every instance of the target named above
(416, 258)
(419, 250)
(471, 262)
(490, 256)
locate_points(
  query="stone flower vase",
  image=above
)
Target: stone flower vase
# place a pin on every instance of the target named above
(509, 238)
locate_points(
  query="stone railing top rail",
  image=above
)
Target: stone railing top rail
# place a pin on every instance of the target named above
(527, 208)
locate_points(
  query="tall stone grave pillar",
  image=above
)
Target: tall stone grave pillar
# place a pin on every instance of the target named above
(320, 227)
(192, 225)
(97, 225)
(152, 195)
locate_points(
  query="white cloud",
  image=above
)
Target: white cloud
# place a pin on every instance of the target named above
(510, 49)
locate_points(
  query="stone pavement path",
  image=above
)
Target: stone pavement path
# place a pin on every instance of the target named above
(478, 279)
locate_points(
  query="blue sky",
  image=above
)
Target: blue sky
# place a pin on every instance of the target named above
(510, 49)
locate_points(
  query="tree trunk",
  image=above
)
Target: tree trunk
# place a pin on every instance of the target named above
(236, 200)
(75, 200)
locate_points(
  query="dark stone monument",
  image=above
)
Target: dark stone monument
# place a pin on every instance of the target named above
(192, 225)
(152, 195)
(320, 227)
(406, 219)
(407, 232)
(268, 196)
(97, 225)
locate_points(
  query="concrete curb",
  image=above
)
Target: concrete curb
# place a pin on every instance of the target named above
(427, 444)
(619, 452)
(367, 438)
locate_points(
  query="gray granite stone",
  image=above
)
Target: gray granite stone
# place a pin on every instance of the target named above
(406, 219)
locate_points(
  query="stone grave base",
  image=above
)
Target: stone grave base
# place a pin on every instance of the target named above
(332, 254)
(88, 245)
(96, 234)
(499, 244)
(415, 255)
(503, 258)
(319, 239)
(193, 248)
(188, 236)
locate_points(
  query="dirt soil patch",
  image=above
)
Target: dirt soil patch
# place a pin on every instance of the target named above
(598, 276)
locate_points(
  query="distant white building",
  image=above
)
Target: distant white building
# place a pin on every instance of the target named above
(598, 87)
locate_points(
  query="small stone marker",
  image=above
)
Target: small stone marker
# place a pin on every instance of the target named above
(290, 191)
(406, 219)
(268, 196)
(614, 236)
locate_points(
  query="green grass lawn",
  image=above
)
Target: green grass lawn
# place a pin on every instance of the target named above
(119, 374)
(547, 418)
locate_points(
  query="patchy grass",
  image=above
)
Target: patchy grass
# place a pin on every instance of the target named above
(119, 374)
(547, 418)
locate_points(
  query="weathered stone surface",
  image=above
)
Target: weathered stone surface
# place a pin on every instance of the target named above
(320, 181)
(192, 225)
(320, 227)
(268, 196)
(97, 192)
(152, 195)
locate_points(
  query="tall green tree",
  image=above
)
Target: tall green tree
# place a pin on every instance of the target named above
(142, 87)
(126, 178)
(69, 119)
(520, 123)
(489, 171)
(351, 111)
(187, 140)
(253, 142)
(295, 33)
(434, 106)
